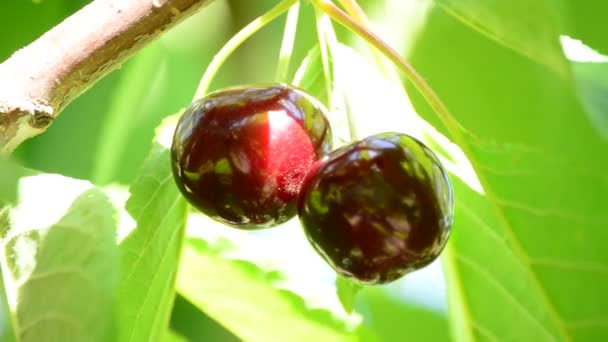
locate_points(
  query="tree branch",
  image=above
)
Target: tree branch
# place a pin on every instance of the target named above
(38, 81)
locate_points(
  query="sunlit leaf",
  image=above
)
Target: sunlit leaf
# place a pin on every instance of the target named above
(61, 261)
(234, 291)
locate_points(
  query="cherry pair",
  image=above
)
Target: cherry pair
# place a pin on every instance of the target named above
(252, 157)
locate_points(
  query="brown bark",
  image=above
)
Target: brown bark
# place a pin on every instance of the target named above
(38, 81)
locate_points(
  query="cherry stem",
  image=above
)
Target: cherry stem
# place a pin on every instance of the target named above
(353, 8)
(328, 44)
(289, 36)
(322, 22)
(236, 41)
(417, 80)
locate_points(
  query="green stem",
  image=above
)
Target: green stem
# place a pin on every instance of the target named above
(358, 14)
(236, 41)
(419, 82)
(288, 41)
(323, 47)
(330, 40)
(328, 43)
(353, 8)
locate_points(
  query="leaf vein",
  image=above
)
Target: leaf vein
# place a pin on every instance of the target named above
(478, 268)
(145, 247)
(37, 276)
(584, 266)
(547, 212)
(53, 316)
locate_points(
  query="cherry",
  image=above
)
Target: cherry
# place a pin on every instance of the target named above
(239, 155)
(378, 208)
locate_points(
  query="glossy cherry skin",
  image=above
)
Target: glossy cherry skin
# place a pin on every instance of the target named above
(239, 155)
(378, 208)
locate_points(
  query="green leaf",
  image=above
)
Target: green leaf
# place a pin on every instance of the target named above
(243, 297)
(29, 21)
(394, 319)
(535, 235)
(61, 260)
(477, 271)
(125, 112)
(347, 292)
(309, 75)
(150, 253)
(528, 27)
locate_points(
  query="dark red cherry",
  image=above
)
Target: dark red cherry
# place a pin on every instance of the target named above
(378, 208)
(239, 155)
